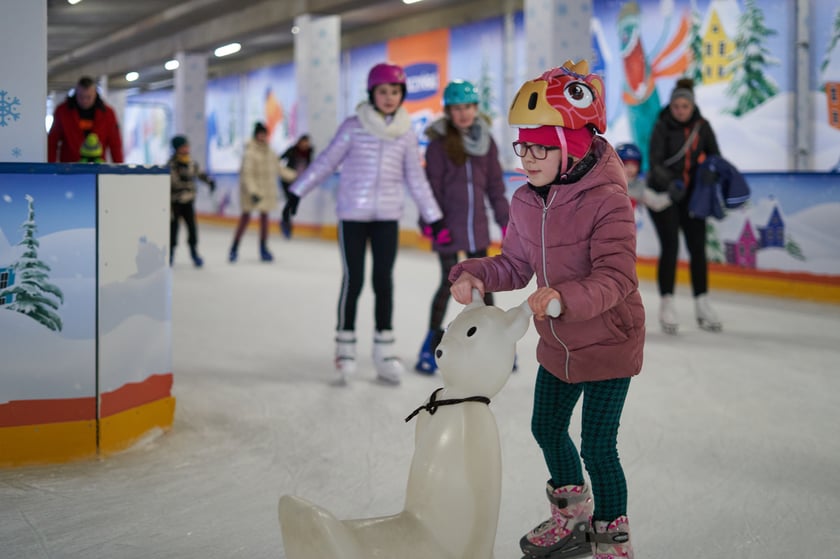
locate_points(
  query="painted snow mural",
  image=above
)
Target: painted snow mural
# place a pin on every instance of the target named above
(740, 56)
(48, 235)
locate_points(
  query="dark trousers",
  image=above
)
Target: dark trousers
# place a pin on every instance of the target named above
(187, 213)
(244, 219)
(353, 238)
(441, 298)
(668, 224)
(603, 402)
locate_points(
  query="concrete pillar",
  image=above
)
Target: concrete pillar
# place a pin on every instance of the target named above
(556, 31)
(190, 91)
(318, 77)
(23, 92)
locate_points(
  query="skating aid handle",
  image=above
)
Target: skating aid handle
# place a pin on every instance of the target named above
(553, 308)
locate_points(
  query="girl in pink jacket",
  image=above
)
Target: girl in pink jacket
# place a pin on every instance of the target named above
(572, 227)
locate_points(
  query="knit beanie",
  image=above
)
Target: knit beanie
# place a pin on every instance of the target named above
(179, 141)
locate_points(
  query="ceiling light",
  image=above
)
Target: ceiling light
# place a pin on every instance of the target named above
(171, 64)
(411, 1)
(131, 76)
(227, 49)
(295, 30)
(73, 2)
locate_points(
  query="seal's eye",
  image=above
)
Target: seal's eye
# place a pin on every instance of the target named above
(578, 94)
(471, 331)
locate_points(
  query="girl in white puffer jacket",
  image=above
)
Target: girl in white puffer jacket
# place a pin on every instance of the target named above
(378, 154)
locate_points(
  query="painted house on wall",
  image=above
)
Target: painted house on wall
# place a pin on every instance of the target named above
(742, 251)
(831, 82)
(7, 279)
(718, 33)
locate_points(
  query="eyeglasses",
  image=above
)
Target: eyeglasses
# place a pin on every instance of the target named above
(537, 151)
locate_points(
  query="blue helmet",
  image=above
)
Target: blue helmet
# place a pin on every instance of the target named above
(629, 152)
(459, 92)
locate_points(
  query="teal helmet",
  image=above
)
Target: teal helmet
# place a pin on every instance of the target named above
(459, 92)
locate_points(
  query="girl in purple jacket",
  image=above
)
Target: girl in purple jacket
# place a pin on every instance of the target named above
(462, 165)
(378, 153)
(572, 227)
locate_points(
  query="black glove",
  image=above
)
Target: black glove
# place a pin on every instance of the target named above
(255, 199)
(290, 208)
(676, 190)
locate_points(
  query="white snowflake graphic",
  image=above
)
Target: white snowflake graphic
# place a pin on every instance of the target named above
(17, 152)
(8, 108)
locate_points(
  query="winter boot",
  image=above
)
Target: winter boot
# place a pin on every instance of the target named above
(426, 361)
(234, 254)
(564, 534)
(389, 368)
(171, 255)
(707, 318)
(611, 540)
(345, 353)
(198, 262)
(265, 256)
(668, 315)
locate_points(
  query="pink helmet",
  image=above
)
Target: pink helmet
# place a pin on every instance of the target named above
(385, 73)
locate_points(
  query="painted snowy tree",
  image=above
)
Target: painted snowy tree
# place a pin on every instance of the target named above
(695, 46)
(714, 248)
(750, 84)
(835, 38)
(33, 295)
(485, 88)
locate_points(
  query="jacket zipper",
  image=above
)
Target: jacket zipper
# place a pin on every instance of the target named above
(470, 208)
(546, 204)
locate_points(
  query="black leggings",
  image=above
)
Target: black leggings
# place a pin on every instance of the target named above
(353, 237)
(441, 298)
(668, 224)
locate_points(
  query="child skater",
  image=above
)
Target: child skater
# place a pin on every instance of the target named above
(183, 172)
(640, 192)
(572, 227)
(462, 165)
(378, 153)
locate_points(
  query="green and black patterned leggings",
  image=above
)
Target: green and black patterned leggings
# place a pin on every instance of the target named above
(603, 401)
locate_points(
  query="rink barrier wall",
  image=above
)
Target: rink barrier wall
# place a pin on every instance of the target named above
(96, 394)
(782, 243)
(787, 285)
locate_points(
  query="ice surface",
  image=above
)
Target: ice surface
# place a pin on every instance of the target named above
(728, 440)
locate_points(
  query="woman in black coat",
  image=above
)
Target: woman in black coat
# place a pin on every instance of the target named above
(681, 139)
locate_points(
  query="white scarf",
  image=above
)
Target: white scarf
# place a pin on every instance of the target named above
(378, 125)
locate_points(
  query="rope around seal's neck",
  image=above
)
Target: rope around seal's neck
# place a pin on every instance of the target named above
(434, 403)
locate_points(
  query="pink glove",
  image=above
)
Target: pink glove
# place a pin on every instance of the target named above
(443, 237)
(427, 232)
(504, 231)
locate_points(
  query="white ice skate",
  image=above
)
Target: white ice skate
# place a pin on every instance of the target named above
(707, 318)
(668, 315)
(389, 367)
(345, 354)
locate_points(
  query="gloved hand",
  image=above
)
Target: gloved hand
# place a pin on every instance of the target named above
(708, 175)
(212, 184)
(656, 201)
(504, 231)
(440, 234)
(676, 190)
(290, 208)
(255, 199)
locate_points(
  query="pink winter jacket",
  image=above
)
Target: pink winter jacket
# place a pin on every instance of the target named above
(582, 242)
(375, 172)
